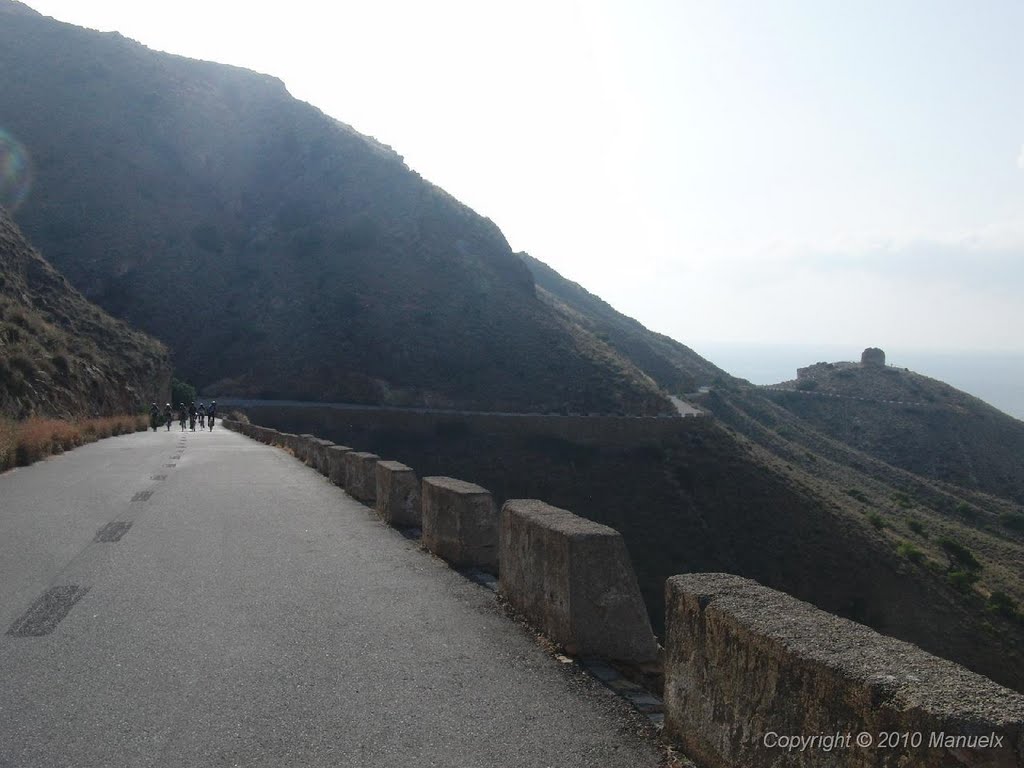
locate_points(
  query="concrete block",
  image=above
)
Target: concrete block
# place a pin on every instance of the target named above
(336, 464)
(361, 476)
(318, 454)
(304, 447)
(398, 495)
(290, 442)
(748, 669)
(460, 523)
(573, 579)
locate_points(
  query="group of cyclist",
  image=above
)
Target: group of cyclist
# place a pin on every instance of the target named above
(205, 415)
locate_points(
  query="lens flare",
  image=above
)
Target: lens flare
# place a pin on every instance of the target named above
(15, 172)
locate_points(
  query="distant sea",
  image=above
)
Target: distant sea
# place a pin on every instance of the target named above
(995, 377)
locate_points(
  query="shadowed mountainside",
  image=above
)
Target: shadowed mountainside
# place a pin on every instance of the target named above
(278, 252)
(61, 355)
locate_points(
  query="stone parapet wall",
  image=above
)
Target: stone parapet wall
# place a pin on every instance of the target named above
(460, 523)
(584, 430)
(573, 579)
(754, 677)
(398, 495)
(361, 475)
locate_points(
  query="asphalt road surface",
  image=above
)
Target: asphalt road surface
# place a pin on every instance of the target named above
(199, 599)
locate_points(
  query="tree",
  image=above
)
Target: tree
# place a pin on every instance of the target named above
(182, 392)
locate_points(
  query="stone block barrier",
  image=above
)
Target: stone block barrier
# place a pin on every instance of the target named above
(573, 579)
(398, 495)
(361, 476)
(460, 523)
(305, 447)
(318, 454)
(336, 464)
(756, 678)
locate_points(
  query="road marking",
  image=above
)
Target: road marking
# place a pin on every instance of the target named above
(142, 496)
(112, 532)
(48, 611)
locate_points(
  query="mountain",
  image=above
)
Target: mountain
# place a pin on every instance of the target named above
(61, 355)
(276, 251)
(911, 421)
(673, 366)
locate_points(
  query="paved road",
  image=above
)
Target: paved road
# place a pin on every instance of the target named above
(255, 615)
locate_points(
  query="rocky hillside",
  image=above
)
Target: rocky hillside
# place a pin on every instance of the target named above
(276, 251)
(913, 422)
(61, 355)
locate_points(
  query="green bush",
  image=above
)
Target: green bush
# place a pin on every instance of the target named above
(182, 392)
(902, 500)
(909, 551)
(855, 493)
(917, 527)
(960, 557)
(876, 520)
(966, 510)
(961, 579)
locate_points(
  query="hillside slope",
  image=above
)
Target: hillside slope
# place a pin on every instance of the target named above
(275, 250)
(61, 355)
(675, 367)
(911, 421)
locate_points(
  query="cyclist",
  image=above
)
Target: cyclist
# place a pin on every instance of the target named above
(182, 415)
(202, 415)
(154, 416)
(192, 413)
(211, 414)
(167, 416)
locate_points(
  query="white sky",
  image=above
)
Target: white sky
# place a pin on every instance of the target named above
(764, 171)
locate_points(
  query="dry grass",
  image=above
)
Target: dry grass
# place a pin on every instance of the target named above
(28, 441)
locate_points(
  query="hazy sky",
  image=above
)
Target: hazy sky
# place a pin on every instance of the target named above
(805, 172)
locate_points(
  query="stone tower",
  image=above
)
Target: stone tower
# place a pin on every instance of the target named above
(873, 356)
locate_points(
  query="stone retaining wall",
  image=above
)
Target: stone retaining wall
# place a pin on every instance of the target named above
(750, 671)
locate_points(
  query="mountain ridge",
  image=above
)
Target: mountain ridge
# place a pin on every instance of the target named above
(334, 271)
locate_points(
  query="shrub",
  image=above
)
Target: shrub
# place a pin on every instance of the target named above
(182, 392)
(909, 551)
(1001, 603)
(856, 493)
(876, 520)
(35, 438)
(239, 417)
(965, 510)
(902, 499)
(917, 527)
(961, 579)
(960, 557)
(8, 443)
